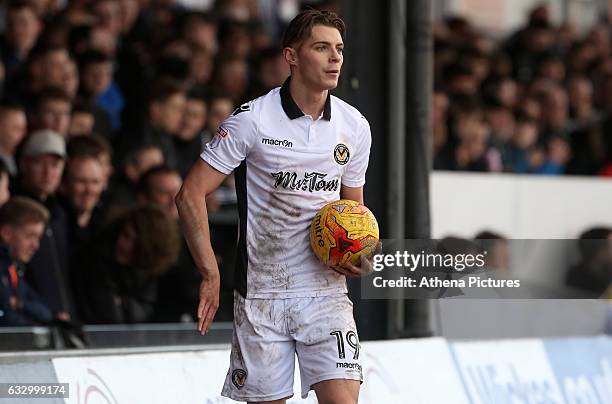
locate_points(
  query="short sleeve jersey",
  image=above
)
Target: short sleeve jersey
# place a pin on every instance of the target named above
(287, 166)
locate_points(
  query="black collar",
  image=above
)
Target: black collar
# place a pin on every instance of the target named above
(291, 108)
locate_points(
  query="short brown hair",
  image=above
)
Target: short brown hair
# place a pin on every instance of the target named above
(21, 210)
(51, 94)
(88, 146)
(157, 242)
(8, 106)
(164, 88)
(146, 179)
(300, 27)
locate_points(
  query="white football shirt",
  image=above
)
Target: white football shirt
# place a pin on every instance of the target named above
(287, 166)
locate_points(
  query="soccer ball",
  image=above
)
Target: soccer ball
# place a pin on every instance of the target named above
(342, 231)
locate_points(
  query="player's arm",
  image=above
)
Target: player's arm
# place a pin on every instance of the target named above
(352, 193)
(352, 188)
(191, 205)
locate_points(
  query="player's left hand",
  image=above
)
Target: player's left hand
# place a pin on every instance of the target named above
(365, 267)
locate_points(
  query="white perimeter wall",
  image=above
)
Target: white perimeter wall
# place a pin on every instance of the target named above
(519, 206)
(499, 17)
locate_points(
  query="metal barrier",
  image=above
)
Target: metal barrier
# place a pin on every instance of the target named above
(115, 336)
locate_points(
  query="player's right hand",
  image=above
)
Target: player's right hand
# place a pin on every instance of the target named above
(365, 268)
(209, 301)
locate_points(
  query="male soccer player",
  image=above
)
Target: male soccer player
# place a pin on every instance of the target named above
(293, 150)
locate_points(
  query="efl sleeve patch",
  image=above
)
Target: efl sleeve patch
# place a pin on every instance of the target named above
(232, 142)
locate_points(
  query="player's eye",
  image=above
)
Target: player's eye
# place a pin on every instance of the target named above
(340, 50)
(321, 48)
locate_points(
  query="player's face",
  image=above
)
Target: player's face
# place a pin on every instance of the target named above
(319, 59)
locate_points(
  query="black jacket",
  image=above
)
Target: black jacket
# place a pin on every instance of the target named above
(30, 308)
(48, 271)
(108, 292)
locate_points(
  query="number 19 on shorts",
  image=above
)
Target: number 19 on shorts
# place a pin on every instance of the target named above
(351, 339)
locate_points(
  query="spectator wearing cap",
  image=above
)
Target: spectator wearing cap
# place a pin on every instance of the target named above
(41, 165)
(22, 222)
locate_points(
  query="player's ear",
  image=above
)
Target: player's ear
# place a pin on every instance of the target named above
(290, 56)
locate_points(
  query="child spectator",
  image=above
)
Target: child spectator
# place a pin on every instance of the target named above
(22, 222)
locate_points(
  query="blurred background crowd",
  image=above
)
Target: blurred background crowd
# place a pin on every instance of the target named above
(105, 106)
(538, 101)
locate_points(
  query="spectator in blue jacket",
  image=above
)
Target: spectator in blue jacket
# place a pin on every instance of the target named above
(22, 222)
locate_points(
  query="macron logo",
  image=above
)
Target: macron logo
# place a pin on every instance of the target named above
(276, 142)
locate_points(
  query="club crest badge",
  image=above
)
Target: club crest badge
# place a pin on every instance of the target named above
(341, 154)
(239, 377)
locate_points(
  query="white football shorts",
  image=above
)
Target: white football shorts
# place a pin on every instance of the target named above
(268, 333)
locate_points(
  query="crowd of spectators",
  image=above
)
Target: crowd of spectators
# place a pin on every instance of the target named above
(538, 101)
(105, 105)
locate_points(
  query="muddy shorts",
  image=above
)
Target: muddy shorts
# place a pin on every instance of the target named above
(268, 333)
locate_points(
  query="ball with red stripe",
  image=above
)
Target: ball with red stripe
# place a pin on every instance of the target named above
(342, 231)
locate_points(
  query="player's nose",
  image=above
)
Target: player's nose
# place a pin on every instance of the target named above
(335, 56)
